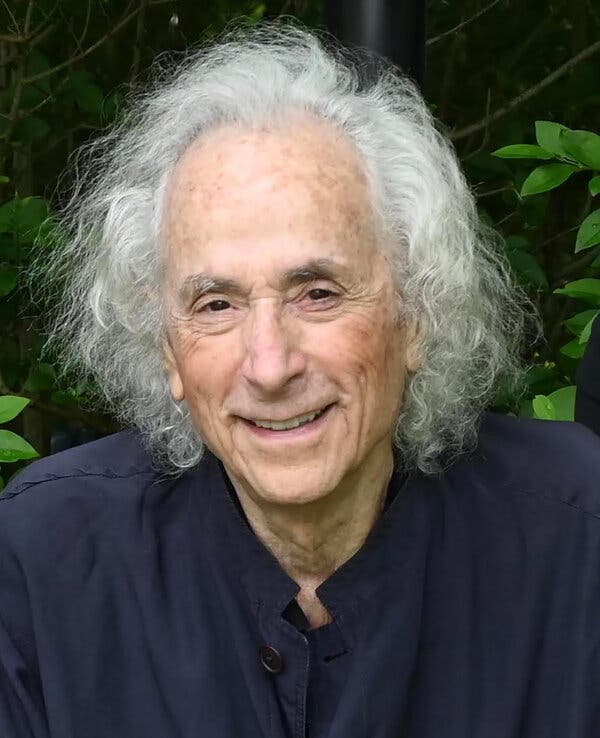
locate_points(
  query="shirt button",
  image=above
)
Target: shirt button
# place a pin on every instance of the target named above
(271, 659)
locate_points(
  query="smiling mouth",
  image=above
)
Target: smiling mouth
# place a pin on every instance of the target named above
(284, 425)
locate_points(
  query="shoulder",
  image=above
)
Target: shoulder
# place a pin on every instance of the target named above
(72, 488)
(556, 462)
(117, 455)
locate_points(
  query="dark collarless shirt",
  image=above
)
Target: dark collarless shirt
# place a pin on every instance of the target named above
(134, 605)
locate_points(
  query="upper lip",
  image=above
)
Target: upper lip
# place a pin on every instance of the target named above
(285, 420)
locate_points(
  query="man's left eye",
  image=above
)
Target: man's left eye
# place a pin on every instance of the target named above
(318, 293)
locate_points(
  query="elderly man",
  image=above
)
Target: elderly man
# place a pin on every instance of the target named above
(313, 528)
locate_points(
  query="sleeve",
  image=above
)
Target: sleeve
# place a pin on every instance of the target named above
(22, 713)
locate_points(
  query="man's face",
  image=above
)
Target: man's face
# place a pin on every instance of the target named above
(282, 331)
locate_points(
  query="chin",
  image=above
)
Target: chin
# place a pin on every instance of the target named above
(291, 486)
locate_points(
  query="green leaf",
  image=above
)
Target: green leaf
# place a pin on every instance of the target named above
(583, 146)
(23, 216)
(4, 179)
(587, 289)
(528, 269)
(87, 94)
(588, 234)
(546, 178)
(11, 406)
(563, 402)
(41, 378)
(573, 349)
(7, 216)
(90, 99)
(257, 14)
(517, 243)
(14, 448)
(111, 105)
(522, 151)
(578, 322)
(8, 281)
(587, 329)
(31, 129)
(36, 63)
(543, 408)
(30, 214)
(594, 185)
(547, 134)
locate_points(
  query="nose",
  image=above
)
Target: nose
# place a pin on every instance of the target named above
(272, 353)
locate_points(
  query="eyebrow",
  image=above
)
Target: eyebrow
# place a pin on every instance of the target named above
(204, 283)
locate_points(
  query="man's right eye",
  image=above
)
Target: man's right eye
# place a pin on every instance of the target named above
(215, 306)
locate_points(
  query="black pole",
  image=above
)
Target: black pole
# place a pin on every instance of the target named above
(392, 28)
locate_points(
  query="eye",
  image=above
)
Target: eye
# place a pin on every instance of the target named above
(214, 306)
(319, 293)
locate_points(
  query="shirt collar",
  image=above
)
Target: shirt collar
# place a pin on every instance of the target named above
(267, 584)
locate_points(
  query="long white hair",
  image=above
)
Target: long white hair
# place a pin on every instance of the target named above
(449, 269)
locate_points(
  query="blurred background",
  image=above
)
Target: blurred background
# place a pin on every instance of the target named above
(496, 74)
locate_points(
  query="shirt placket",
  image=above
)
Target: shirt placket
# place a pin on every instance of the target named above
(285, 655)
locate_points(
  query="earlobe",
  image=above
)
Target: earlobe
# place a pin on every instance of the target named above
(414, 346)
(175, 383)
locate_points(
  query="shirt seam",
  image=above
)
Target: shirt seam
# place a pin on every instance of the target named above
(555, 501)
(25, 486)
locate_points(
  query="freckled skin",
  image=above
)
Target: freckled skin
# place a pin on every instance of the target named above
(247, 206)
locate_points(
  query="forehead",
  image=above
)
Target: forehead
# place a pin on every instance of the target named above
(298, 190)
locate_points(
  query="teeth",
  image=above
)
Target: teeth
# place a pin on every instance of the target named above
(288, 424)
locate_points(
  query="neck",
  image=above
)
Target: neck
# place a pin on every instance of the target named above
(312, 540)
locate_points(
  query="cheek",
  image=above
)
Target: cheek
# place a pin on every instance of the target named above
(368, 356)
(206, 369)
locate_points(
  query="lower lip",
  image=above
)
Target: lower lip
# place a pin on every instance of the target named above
(293, 433)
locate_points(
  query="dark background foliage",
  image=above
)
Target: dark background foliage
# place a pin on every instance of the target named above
(493, 69)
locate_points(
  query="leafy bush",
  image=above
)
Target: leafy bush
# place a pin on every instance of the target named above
(12, 446)
(570, 152)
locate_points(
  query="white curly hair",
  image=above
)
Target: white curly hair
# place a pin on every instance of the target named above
(449, 268)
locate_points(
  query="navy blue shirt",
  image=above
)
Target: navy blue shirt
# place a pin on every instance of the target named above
(135, 605)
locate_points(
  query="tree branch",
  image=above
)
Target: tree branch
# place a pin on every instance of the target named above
(139, 38)
(12, 17)
(28, 13)
(81, 39)
(83, 54)
(575, 266)
(461, 25)
(516, 101)
(489, 193)
(13, 114)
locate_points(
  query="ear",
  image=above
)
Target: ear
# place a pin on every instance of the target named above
(413, 342)
(175, 383)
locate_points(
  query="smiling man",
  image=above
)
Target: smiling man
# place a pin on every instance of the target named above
(295, 305)
(313, 528)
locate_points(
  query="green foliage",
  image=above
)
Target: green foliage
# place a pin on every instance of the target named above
(66, 82)
(546, 178)
(575, 150)
(522, 151)
(559, 405)
(589, 232)
(12, 446)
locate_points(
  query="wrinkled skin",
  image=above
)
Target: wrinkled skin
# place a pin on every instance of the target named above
(300, 316)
